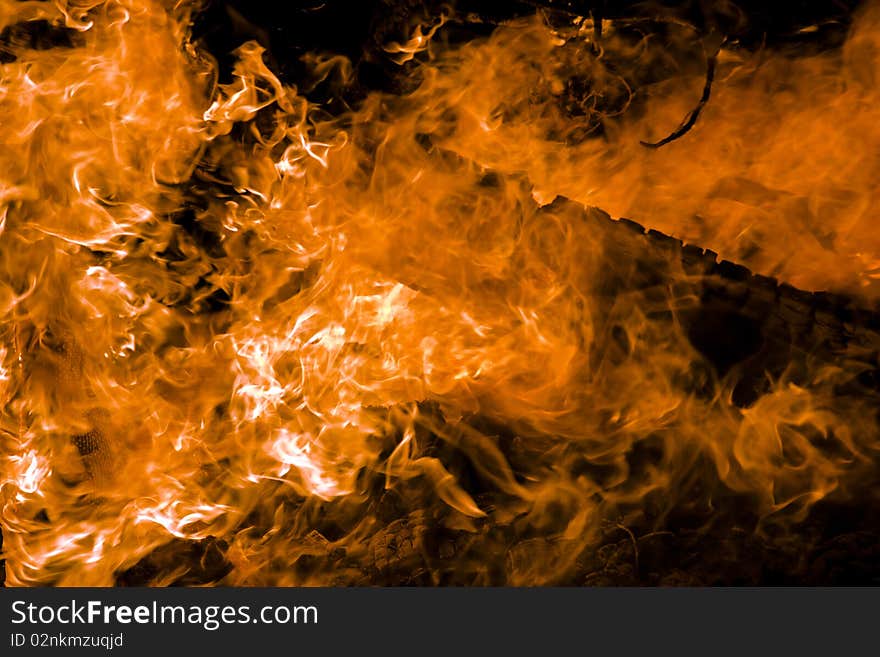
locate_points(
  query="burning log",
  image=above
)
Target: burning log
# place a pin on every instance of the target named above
(739, 321)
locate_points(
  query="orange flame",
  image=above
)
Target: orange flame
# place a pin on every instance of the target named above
(394, 297)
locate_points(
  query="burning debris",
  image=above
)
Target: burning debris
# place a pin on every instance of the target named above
(265, 322)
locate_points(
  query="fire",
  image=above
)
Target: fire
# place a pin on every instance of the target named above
(333, 346)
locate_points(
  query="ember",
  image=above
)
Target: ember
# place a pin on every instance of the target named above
(307, 313)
